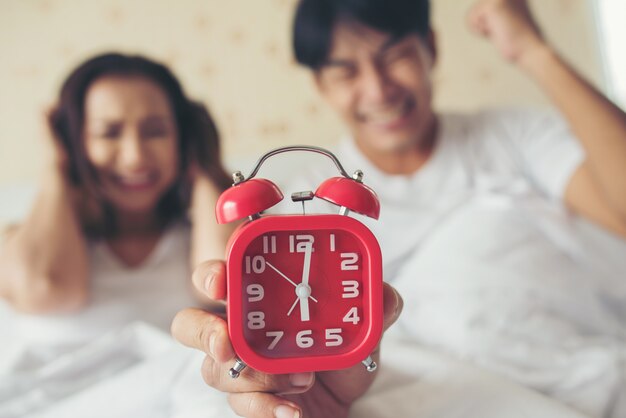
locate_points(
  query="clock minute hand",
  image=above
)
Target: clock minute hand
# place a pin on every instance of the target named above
(307, 264)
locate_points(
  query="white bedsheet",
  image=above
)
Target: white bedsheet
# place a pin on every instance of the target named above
(512, 287)
(138, 371)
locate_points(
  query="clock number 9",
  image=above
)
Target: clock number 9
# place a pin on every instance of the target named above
(255, 264)
(255, 292)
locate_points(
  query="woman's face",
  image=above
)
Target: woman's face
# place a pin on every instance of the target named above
(131, 140)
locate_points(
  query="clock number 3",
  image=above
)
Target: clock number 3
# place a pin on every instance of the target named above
(350, 289)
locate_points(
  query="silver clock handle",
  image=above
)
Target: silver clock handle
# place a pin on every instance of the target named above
(281, 150)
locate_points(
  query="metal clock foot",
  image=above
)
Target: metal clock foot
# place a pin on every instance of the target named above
(370, 365)
(236, 370)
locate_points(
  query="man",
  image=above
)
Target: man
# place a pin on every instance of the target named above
(371, 61)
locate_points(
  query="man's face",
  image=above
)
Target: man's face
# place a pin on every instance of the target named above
(380, 86)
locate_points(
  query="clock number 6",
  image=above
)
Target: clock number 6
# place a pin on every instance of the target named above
(303, 339)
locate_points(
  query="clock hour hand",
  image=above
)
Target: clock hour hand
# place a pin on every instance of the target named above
(304, 302)
(304, 307)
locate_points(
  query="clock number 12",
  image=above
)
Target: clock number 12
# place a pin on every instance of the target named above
(299, 243)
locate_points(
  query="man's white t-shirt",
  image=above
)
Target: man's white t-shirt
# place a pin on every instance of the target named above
(508, 153)
(488, 262)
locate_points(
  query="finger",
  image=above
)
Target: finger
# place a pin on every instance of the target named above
(210, 279)
(216, 375)
(392, 305)
(204, 331)
(263, 405)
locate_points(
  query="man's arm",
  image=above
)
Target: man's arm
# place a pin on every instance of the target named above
(597, 190)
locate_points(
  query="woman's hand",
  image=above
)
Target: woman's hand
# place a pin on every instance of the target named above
(256, 394)
(57, 159)
(57, 173)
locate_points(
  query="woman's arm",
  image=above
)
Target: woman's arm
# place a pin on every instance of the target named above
(44, 262)
(208, 238)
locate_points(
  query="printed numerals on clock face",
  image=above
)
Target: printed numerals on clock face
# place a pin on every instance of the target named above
(303, 292)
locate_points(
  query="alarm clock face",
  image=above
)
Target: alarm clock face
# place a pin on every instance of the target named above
(309, 289)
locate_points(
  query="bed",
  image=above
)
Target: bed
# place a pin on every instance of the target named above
(137, 370)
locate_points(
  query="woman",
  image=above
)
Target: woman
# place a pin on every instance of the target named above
(135, 163)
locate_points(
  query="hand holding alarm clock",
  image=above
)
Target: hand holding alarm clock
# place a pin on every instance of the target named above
(304, 292)
(303, 394)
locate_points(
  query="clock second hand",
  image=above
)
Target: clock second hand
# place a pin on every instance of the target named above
(286, 278)
(293, 306)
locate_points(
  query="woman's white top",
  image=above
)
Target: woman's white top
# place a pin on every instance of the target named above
(152, 292)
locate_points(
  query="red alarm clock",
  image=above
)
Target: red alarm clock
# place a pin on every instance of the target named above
(304, 292)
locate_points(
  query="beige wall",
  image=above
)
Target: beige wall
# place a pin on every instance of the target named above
(235, 55)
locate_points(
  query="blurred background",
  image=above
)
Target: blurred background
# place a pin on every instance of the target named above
(236, 57)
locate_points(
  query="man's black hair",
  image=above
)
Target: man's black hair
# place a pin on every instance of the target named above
(315, 19)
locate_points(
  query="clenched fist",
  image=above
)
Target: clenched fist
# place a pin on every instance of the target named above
(509, 24)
